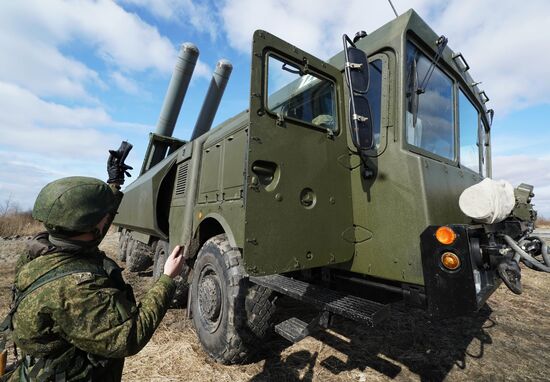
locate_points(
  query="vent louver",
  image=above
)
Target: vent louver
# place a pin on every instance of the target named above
(182, 178)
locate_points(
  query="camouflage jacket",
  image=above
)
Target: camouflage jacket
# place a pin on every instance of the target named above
(80, 326)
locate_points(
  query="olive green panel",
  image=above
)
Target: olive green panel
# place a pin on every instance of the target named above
(220, 169)
(138, 208)
(234, 153)
(209, 186)
(408, 194)
(177, 213)
(282, 231)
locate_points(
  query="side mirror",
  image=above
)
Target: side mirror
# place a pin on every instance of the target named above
(357, 79)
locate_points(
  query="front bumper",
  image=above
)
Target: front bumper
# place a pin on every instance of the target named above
(452, 293)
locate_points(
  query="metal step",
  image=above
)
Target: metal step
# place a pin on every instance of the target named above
(345, 305)
(292, 329)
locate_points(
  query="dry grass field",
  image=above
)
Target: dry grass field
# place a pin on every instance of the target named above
(509, 339)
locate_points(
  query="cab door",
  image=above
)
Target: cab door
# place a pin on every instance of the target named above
(298, 195)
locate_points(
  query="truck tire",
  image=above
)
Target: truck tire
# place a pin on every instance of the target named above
(138, 256)
(231, 316)
(122, 245)
(182, 286)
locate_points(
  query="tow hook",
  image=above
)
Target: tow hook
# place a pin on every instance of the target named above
(510, 273)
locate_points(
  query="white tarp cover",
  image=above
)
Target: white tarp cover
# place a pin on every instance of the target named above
(489, 201)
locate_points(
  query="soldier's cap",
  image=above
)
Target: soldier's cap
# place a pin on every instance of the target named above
(74, 204)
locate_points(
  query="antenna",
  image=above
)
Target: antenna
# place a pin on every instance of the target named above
(392, 7)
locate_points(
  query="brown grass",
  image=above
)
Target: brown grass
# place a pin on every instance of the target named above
(543, 222)
(18, 223)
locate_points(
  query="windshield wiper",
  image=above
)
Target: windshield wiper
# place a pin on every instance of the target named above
(441, 43)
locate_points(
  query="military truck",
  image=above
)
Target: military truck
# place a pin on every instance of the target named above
(338, 187)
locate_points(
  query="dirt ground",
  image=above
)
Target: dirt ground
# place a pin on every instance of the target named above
(509, 339)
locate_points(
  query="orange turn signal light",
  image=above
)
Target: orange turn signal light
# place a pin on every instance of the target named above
(450, 261)
(445, 235)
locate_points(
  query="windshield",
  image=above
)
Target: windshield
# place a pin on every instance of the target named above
(434, 127)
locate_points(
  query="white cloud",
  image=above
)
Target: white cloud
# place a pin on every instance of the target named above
(202, 70)
(201, 16)
(33, 41)
(313, 26)
(42, 141)
(28, 123)
(527, 169)
(126, 84)
(41, 68)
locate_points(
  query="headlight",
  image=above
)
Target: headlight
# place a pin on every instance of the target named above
(450, 261)
(445, 235)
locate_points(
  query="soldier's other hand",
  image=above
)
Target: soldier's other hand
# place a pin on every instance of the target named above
(116, 168)
(174, 263)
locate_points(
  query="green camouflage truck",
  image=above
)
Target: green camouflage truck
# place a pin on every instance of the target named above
(339, 187)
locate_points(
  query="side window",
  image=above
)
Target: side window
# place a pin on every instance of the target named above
(303, 97)
(485, 139)
(469, 133)
(434, 128)
(374, 96)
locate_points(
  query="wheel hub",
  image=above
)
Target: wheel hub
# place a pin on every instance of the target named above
(210, 297)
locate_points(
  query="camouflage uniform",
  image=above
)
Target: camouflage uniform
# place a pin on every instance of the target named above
(81, 325)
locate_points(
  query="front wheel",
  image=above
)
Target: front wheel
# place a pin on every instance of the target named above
(231, 316)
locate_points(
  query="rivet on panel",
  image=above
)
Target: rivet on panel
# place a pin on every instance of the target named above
(279, 197)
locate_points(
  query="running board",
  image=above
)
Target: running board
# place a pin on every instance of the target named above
(345, 305)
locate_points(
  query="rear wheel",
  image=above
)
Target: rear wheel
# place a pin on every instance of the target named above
(122, 245)
(138, 256)
(231, 315)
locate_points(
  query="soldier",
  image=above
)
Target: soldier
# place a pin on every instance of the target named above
(74, 318)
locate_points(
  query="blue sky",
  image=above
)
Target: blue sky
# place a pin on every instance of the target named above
(78, 77)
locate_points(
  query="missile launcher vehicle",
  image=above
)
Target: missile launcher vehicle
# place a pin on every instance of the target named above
(338, 187)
